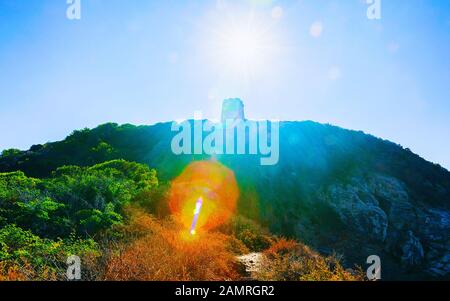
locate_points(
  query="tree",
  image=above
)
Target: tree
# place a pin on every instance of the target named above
(11, 152)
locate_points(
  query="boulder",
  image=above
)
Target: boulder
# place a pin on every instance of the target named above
(358, 210)
(412, 251)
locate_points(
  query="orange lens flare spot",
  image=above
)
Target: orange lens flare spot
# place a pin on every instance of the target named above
(204, 196)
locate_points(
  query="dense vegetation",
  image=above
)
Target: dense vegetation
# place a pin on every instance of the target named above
(44, 220)
(75, 200)
(64, 188)
(106, 215)
(319, 154)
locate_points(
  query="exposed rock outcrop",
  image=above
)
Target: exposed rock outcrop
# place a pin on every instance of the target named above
(358, 209)
(412, 251)
(380, 211)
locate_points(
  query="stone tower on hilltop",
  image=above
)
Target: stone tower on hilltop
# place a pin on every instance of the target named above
(233, 109)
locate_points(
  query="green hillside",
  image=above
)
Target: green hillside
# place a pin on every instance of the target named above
(334, 190)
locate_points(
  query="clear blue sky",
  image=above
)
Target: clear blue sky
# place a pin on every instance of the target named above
(142, 62)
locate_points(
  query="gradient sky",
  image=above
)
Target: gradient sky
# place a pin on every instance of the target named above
(142, 62)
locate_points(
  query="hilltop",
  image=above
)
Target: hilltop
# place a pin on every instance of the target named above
(333, 189)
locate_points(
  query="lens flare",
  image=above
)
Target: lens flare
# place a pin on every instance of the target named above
(198, 208)
(204, 196)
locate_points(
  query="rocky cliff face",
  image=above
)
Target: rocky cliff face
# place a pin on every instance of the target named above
(356, 195)
(380, 211)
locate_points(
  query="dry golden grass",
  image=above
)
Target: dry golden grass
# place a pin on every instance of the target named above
(150, 249)
(11, 273)
(288, 260)
(163, 251)
(24, 272)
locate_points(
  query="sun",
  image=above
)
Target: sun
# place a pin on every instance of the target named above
(242, 44)
(242, 48)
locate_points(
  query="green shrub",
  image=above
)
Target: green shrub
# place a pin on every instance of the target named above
(20, 248)
(82, 199)
(252, 235)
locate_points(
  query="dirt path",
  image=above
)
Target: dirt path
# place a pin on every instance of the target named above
(251, 262)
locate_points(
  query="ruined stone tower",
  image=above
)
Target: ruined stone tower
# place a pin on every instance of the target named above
(233, 109)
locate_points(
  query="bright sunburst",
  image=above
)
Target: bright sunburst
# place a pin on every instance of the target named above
(242, 43)
(242, 49)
